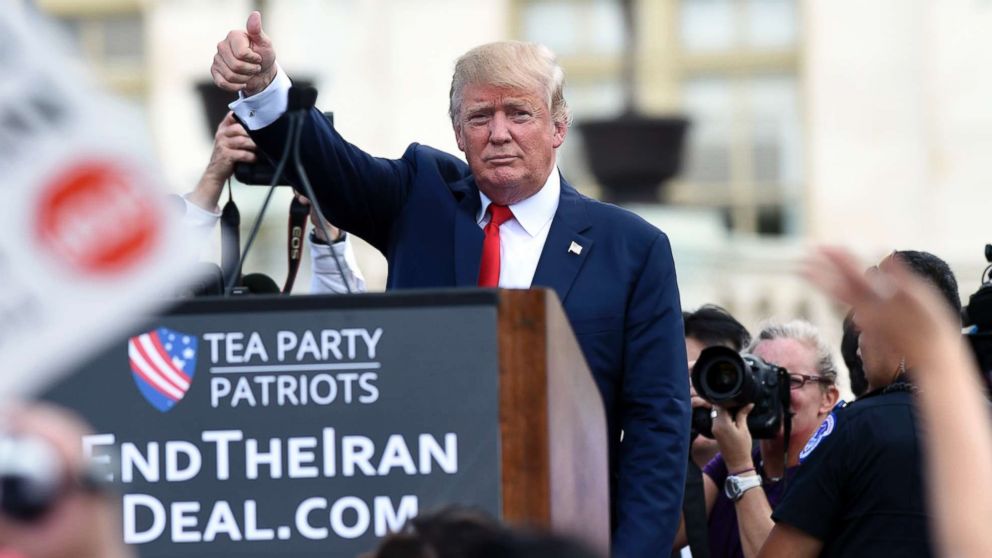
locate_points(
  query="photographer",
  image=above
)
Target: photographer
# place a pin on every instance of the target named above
(742, 484)
(233, 145)
(860, 489)
(82, 520)
(708, 326)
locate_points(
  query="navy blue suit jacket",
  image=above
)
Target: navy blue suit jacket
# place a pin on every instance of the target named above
(620, 295)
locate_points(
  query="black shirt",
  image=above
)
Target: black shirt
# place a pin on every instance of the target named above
(860, 490)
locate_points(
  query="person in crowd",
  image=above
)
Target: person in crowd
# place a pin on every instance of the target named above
(84, 520)
(849, 350)
(711, 325)
(902, 310)
(233, 145)
(509, 219)
(860, 489)
(707, 326)
(460, 532)
(742, 484)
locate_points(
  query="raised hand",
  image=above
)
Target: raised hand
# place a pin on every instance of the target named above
(245, 59)
(231, 145)
(902, 309)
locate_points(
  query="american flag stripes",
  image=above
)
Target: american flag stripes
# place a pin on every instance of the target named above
(163, 363)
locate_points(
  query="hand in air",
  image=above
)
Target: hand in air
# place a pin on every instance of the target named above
(245, 59)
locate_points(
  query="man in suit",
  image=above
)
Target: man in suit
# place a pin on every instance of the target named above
(509, 219)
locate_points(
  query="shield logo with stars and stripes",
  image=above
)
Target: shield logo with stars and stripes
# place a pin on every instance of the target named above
(163, 363)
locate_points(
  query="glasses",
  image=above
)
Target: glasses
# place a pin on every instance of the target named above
(797, 381)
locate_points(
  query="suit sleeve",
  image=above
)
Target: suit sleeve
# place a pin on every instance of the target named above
(357, 192)
(654, 413)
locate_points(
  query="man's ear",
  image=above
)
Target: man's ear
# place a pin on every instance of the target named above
(561, 130)
(458, 137)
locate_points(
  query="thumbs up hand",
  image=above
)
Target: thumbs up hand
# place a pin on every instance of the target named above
(245, 60)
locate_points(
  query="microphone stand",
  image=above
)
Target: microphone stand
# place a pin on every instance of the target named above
(300, 101)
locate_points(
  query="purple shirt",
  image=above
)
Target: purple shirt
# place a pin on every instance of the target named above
(725, 537)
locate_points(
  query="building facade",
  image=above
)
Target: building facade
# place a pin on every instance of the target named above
(813, 121)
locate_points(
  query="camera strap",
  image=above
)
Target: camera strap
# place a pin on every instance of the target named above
(298, 213)
(694, 510)
(230, 237)
(787, 436)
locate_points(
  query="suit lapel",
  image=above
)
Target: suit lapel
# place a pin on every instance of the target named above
(468, 234)
(566, 248)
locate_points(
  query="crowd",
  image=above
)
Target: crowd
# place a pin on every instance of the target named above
(902, 470)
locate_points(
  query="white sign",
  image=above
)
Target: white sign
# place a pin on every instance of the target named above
(88, 244)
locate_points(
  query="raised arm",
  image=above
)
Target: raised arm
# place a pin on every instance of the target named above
(232, 145)
(909, 315)
(360, 193)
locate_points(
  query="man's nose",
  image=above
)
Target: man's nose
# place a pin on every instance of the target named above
(499, 129)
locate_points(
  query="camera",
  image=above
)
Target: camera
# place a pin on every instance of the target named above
(261, 172)
(977, 319)
(730, 380)
(31, 477)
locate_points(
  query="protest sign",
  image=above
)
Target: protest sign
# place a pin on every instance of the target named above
(87, 243)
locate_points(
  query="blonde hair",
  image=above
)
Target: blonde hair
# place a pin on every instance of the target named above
(516, 65)
(807, 334)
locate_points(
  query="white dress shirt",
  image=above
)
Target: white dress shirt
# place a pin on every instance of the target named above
(523, 236)
(521, 239)
(266, 106)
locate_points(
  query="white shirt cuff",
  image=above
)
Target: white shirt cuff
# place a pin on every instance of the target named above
(327, 278)
(266, 106)
(197, 216)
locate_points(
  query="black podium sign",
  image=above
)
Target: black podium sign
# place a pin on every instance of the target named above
(295, 426)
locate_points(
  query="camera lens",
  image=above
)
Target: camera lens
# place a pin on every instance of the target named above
(723, 378)
(30, 477)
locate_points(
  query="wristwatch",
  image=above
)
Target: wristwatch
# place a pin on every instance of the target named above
(320, 242)
(735, 487)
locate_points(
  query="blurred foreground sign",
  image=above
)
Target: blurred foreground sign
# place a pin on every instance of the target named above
(86, 241)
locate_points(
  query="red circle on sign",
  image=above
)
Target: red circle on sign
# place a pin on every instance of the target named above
(93, 217)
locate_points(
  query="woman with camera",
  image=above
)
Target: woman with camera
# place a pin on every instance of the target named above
(742, 484)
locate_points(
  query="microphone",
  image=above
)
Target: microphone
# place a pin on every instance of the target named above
(209, 281)
(230, 238)
(258, 284)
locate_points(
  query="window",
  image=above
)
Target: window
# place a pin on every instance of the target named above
(732, 66)
(722, 25)
(110, 37)
(740, 89)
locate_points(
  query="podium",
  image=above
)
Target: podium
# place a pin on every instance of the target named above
(314, 425)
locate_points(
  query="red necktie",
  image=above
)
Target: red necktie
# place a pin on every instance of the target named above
(489, 270)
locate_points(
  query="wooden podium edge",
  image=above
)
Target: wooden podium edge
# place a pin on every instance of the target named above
(579, 448)
(523, 409)
(554, 448)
